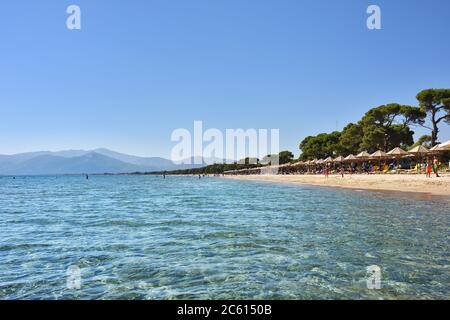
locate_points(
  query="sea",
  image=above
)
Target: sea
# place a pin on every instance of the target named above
(150, 237)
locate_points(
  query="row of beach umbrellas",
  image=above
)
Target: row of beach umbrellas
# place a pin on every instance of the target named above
(396, 153)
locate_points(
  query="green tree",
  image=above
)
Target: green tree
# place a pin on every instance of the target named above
(321, 146)
(387, 126)
(424, 140)
(285, 157)
(351, 139)
(436, 104)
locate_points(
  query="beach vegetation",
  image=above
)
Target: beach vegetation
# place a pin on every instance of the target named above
(424, 140)
(381, 128)
(285, 157)
(321, 146)
(436, 104)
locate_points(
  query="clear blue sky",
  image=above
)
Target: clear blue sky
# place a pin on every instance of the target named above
(140, 69)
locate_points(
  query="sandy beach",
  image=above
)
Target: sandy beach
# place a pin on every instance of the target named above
(387, 182)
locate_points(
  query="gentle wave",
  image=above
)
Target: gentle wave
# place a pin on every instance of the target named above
(142, 237)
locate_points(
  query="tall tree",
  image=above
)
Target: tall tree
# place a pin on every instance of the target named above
(436, 103)
(351, 139)
(285, 157)
(321, 146)
(387, 126)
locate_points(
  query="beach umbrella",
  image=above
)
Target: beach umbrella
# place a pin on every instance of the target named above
(328, 160)
(397, 152)
(419, 151)
(351, 158)
(339, 159)
(320, 161)
(435, 149)
(444, 146)
(379, 155)
(299, 163)
(363, 155)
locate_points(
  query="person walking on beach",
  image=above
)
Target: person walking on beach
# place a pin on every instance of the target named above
(342, 171)
(428, 169)
(325, 171)
(436, 167)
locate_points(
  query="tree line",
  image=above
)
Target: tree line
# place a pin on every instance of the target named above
(381, 128)
(384, 128)
(247, 163)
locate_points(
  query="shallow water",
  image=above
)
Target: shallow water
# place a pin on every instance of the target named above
(136, 237)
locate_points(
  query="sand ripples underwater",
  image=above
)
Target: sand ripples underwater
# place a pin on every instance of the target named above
(137, 237)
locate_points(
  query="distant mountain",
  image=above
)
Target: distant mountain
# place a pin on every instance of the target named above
(140, 161)
(86, 162)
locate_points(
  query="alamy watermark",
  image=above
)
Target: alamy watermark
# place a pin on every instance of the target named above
(373, 277)
(73, 281)
(213, 146)
(73, 21)
(374, 20)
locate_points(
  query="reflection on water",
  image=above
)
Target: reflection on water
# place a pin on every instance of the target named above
(185, 238)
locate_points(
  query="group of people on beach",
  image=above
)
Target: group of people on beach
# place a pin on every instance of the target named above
(429, 167)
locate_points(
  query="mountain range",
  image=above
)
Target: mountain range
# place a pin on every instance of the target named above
(86, 162)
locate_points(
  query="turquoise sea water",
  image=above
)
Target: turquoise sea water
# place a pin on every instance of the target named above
(136, 237)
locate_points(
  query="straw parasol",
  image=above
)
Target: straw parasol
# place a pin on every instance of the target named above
(419, 151)
(320, 161)
(328, 160)
(363, 155)
(379, 155)
(397, 152)
(339, 159)
(435, 148)
(444, 146)
(351, 158)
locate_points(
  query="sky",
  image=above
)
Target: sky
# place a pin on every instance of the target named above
(138, 70)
